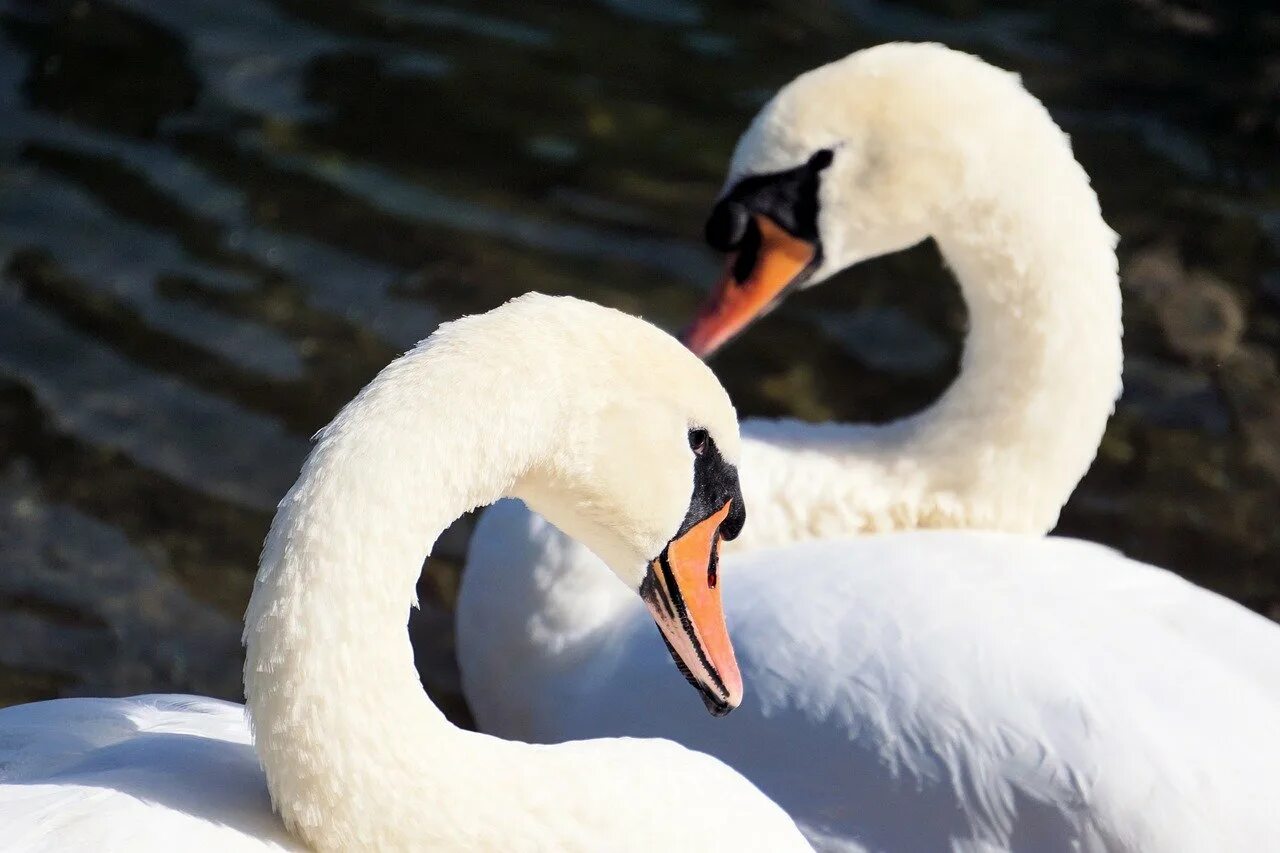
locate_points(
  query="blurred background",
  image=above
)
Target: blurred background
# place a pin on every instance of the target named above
(219, 218)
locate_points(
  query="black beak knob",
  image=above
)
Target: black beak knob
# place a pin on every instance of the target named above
(726, 225)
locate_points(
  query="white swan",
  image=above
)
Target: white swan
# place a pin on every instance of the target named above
(921, 690)
(602, 422)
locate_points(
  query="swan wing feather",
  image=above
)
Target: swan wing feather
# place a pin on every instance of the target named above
(147, 773)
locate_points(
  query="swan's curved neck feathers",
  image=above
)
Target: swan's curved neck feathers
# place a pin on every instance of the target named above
(1003, 448)
(347, 737)
(1042, 360)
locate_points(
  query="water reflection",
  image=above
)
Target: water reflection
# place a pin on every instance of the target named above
(217, 220)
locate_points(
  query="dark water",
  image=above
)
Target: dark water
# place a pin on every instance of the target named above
(219, 218)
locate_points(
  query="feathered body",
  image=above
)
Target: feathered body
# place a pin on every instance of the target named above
(915, 689)
(948, 690)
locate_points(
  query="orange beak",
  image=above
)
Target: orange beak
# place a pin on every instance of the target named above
(781, 260)
(683, 595)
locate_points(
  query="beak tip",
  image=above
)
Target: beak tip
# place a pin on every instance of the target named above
(721, 702)
(719, 707)
(698, 340)
(733, 683)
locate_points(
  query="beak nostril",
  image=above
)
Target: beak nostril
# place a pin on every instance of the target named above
(713, 565)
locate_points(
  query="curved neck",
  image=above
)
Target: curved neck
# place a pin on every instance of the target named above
(1006, 444)
(1042, 362)
(352, 747)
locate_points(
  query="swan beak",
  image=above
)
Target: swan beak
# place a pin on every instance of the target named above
(682, 593)
(755, 278)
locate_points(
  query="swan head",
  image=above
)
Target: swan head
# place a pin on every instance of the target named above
(847, 162)
(643, 472)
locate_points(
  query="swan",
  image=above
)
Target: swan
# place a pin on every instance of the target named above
(919, 689)
(601, 422)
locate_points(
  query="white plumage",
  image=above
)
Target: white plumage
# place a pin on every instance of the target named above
(943, 690)
(144, 773)
(927, 690)
(580, 410)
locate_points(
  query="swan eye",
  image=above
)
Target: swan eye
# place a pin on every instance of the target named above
(698, 439)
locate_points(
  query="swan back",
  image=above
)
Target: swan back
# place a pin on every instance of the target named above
(133, 774)
(870, 723)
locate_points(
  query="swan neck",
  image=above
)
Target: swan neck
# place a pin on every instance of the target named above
(1040, 372)
(1008, 441)
(342, 727)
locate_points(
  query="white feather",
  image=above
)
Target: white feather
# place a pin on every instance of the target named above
(926, 691)
(929, 691)
(581, 410)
